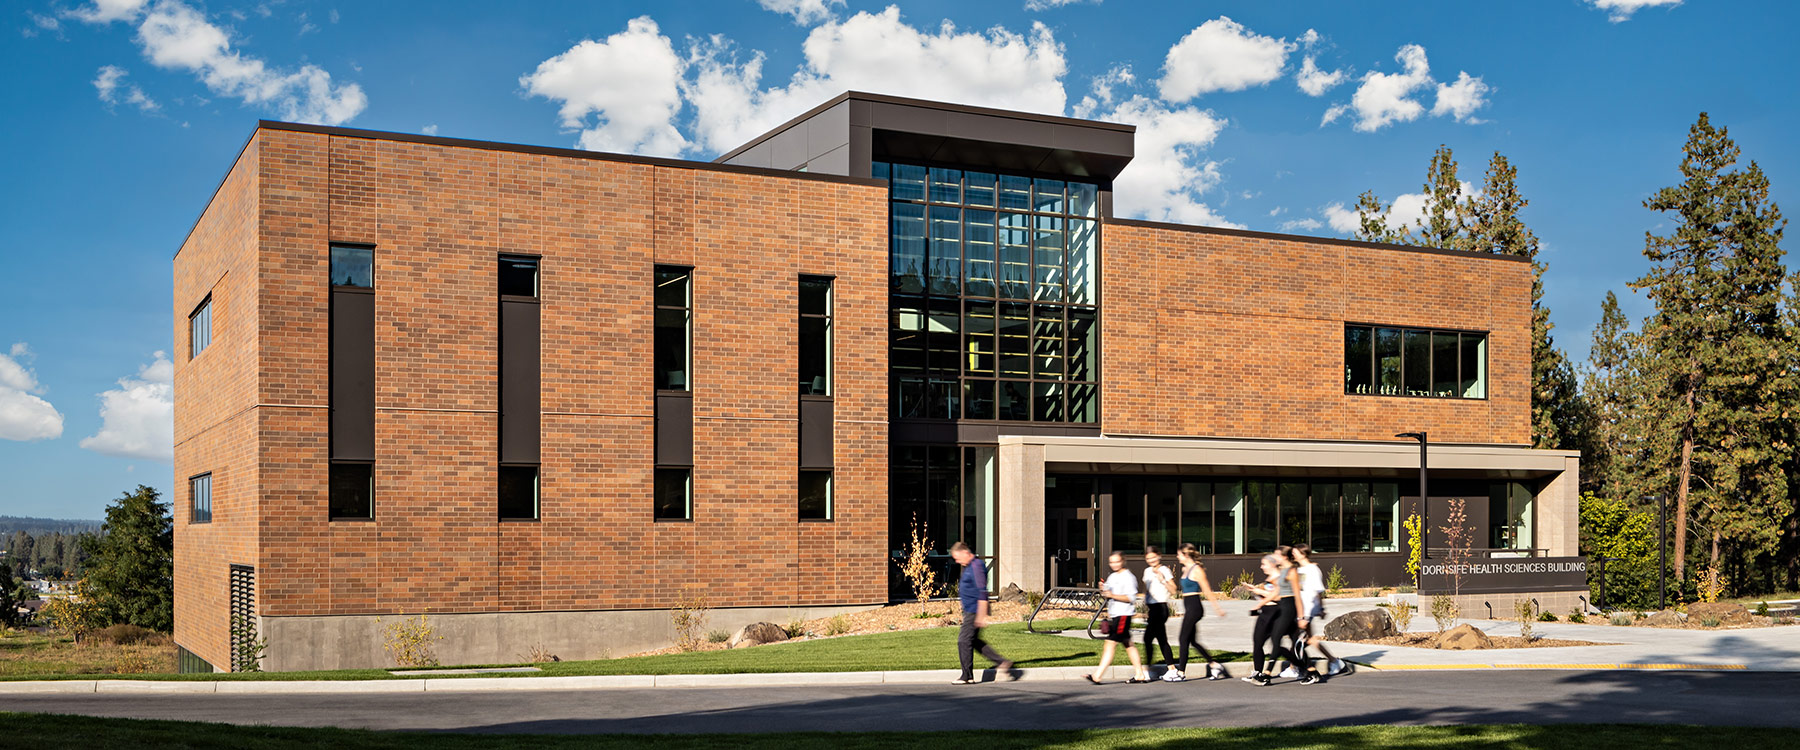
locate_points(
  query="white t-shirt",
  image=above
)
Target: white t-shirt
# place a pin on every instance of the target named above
(1312, 584)
(1155, 590)
(1122, 583)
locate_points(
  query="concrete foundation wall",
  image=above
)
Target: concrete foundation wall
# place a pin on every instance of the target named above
(356, 641)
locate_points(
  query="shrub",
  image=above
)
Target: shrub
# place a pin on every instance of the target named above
(1335, 581)
(1576, 615)
(1445, 611)
(123, 634)
(539, 654)
(1762, 608)
(246, 649)
(1614, 529)
(1402, 614)
(1784, 620)
(717, 636)
(795, 628)
(1622, 620)
(837, 625)
(1034, 598)
(1709, 621)
(1712, 584)
(1546, 617)
(1525, 612)
(1413, 528)
(411, 642)
(1406, 589)
(689, 616)
(916, 565)
(135, 662)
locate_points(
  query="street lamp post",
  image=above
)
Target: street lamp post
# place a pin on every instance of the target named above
(1424, 494)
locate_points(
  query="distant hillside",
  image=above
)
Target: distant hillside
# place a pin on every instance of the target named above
(36, 526)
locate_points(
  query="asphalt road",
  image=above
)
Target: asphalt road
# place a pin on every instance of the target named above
(1531, 697)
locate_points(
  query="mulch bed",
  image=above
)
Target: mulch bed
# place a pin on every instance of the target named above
(895, 617)
(1429, 640)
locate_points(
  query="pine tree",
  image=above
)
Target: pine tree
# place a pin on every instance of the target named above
(130, 563)
(1371, 216)
(1716, 361)
(1446, 219)
(1609, 385)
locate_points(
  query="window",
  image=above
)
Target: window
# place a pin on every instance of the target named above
(353, 266)
(815, 495)
(815, 336)
(200, 499)
(674, 494)
(1414, 362)
(674, 328)
(518, 276)
(518, 493)
(994, 294)
(200, 328)
(352, 490)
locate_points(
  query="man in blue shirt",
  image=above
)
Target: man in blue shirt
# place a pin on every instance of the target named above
(972, 588)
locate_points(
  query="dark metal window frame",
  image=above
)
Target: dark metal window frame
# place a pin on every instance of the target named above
(349, 246)
(194, 510)
(1487, 355)
(688, 313)
(537, 299)
(537, 259)
(830, 318)
(202, 309)
(537, 491)
(926, 298)
(332, 517)
(830, 495)
(689, 489)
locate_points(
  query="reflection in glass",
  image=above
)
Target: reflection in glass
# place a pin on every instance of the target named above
(978, 253)
(815, 336)
(1084, 403)
(1474, 365)
(907, 234)
(518, 276)
(1083, 330)
(1384, 531)
(674, 494)
(946, 185)
(518, 492)
(978, 332)
(1260, 521)
(1162, 520)
(1387, 360)
(1417, 363)
(1015, 339)
(1048, 196)
(1128, 516)
(1294, 514)
(1014, 401)
(1326, 534)
(979, 190)
(1228, 518)
(1015, 256)
(1084, 199)
(978, 399)
(1081, 261)
(1196, 516)
(1015, 193)
(1047, 342)
(946, 250)
(815, 495)
(355, 266)
(1047, 401)
(1048, 258)
(908, 182)
(1356, 517)
(1443, 364)
(1358, 360)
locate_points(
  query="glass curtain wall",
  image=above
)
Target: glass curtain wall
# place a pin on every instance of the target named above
(994, 307)
(1237, 517)
(949, 492)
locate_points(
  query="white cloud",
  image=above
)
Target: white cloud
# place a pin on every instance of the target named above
(1221, 55)
(334, 15)
(1169, 174)
(1461, 99)
(429, 129)
(1386, 98)
(630, 83)
(1342, 220)
(108, 11)
(1619, 11)
(1048, 4)
(108, 86)
(1310, 225)
(1407, 211)
(24, 416)
(138, 417)
(879, 53)
(1103, 85)
(1316, 82)
(805, 12)
(174, 35)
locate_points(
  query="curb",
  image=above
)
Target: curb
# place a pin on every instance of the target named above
(766, 679)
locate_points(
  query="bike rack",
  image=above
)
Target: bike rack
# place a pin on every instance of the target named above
(1072, 599)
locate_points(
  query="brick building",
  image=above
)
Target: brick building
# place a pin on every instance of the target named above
(540, 394)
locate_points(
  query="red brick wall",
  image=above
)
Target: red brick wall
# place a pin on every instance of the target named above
(1214, 334)
(439, 216)
(215, 419)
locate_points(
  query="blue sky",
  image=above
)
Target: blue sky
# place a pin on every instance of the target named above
(123, 115)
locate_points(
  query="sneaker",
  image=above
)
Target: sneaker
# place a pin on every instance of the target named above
(1174, 675)
(1311, 678)
(1290, 673)
(1336, 666)
(1260, 680)
(1217, 672)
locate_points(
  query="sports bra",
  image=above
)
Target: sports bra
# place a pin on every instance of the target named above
(1189, 585)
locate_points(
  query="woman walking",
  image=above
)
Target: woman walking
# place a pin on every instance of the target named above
(1159, 592)
(1120, 588)
(1312, 592)
(1277, 617)
(1195, 593)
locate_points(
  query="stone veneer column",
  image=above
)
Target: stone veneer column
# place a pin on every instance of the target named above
(1021, 515)
(1559, 512)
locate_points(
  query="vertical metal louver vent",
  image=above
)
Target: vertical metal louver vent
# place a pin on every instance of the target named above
(243, 615)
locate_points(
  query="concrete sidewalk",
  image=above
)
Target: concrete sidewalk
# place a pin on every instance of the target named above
(1773, 649)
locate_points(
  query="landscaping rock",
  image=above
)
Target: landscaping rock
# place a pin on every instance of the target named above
(1727, 613)
(756, 634)
(1464, 638)
(1667, 618)
(1245, 591)
(1012, 593)
(1361, 625)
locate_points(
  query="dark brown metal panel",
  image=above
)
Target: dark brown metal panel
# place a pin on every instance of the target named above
(906, 118)
(836, 161)
(816, 416)
(859, 112)
(353, 375)
(674, 429)
(976, 127)
(860, 149)
(520, 368)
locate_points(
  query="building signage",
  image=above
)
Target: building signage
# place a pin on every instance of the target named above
(1502, 575)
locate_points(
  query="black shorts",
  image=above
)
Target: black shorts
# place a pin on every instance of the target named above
(1121, 629)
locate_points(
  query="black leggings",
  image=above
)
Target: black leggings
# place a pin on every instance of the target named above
(1190, 631)
(1157, 630)
(1274, 622)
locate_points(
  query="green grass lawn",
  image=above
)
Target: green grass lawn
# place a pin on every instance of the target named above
(933, 648)
(84, 733)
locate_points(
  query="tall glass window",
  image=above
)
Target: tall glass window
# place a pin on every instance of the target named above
(815, 336)
(995, 295)
(200, 328)
(674, 491)
(1414, 362)
(200, 499)
(815, 495)
(674, 328)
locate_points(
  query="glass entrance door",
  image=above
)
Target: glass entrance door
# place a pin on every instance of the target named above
(1070, 541)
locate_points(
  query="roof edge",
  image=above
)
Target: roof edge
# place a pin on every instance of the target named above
(1314, 240)
(925, 103)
